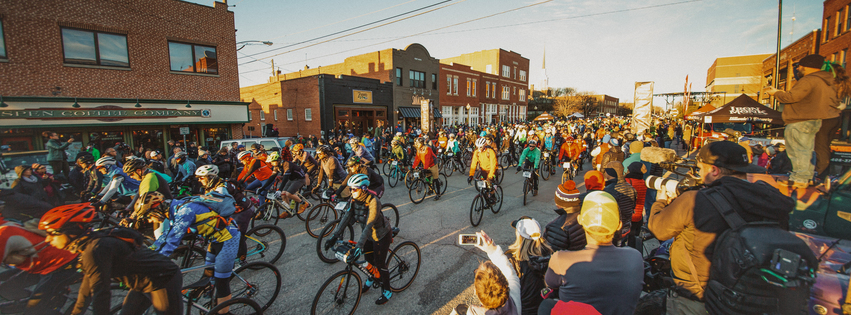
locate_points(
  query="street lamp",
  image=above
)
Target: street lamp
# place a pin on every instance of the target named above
(250, 42)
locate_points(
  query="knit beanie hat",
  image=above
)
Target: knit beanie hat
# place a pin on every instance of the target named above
(637, 167)
(594, 180)
(567, 197)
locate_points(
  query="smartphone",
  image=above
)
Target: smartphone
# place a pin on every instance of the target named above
(469, 239)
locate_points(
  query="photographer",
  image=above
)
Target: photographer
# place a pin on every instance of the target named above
(694, 222)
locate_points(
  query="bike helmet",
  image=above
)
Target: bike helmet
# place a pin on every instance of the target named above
(395, 142)
(242, 155)
(152, 204)
(179, 155)
(355, 160)
(206, 170)
(133, 165)
(274, 156)
(324, 149)
(398, 134)
(569, 138)
(540, 128)
(451, 136)
(87, 159)
(419, 141)
(105, 161)
(298, 147)
(483, 133)
(353, 140)
(68, 218)
(358, 181)
(481, 142)
(533, 142)
(615, 142)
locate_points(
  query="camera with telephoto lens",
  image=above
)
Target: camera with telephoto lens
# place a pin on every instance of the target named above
(670, 184)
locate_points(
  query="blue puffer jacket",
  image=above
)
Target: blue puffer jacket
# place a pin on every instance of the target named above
(189, 216)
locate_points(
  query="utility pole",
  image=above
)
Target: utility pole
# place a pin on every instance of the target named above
(777, 56)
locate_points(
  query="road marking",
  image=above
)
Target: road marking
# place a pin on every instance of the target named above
(445, 236)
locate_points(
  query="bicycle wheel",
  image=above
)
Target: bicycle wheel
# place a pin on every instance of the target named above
(409, 179)
(271, 210)
(497, 190)
(385, 169)
(403, 265)
(318, 217)
(477, 210)
(265, 243)
(526, 189)
(504, 161)
(444, 182)
(393, 177)
(545, 170)
(499, 177)
(238, 306)
(391, 212)
(340, 294)
(418, 191)
(564, 176)
(259, 281)
(195, 258)
(327, 256)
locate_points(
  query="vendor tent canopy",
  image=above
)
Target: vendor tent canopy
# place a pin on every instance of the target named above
(577, 115)
(743, 109)
(695, 113)
(544, 116)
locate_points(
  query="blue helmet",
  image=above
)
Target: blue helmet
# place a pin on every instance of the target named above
(358, 181)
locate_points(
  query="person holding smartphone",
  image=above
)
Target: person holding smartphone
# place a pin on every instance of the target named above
(56, 153)
(497, 285)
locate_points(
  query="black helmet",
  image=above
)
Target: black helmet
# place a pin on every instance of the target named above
(133, 165)
(88, 159)
(324, 149)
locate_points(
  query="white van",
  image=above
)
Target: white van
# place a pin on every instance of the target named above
(267, 143)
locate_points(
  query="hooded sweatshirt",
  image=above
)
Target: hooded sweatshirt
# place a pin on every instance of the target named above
(813, 97)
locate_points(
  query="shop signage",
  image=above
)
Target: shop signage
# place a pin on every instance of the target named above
(417, 99)
(103, 112)
(362, 97)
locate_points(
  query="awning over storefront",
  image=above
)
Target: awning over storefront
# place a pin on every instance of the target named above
(414, 112)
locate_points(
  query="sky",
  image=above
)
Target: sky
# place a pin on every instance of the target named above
(601, 46)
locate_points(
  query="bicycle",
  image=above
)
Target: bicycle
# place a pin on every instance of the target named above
(388, 210)
(546, 165)
(453, 164)
(321, 214)
(507, 159)
(264, 242)
(489, 196)
(569, 172)
(273, 205)
(16, 302)
(528, 183)
(180, 189)
(341, 293)
(393, 171)
(422, 186)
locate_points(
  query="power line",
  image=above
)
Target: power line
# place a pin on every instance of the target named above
(361, 26)
(341, 21)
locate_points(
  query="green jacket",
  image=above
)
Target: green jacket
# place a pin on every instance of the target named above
(56, 150)
(534, 155)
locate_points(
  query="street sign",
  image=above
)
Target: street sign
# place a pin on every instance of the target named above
(184, 130)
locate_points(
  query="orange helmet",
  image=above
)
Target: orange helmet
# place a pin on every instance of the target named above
(73, 216)
(298, 147)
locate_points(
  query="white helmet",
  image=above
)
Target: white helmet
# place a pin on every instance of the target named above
(398, 134)
(106, 160)
(207, 170)
(353, 140)
(242, 154)
(480, 142)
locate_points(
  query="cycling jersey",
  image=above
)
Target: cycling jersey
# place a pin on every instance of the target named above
(307, 161)
(548, 143)
(152, 181)
(185, 171)
(332, 169)
(367, 211)
(285, 172)
(453, 146)
(486, 159)
(398, 152)
(441, 142)
(570, 149)
(426, 156)
(534, 155)
(376, 182)
(361, 151)
(258, 168)
(119, 183)
(186, 216)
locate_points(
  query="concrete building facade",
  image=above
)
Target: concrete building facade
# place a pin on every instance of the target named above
(734, 76)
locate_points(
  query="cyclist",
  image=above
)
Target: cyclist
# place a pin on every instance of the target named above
(153, 279)
(208, 176)
(531, 159)
(116, 182)
(330, 168)
(570, 150)
(442, 140)
(453, 146)
(376, 237)
(149, 180)
(398, 152)
(355, 166)
(222, 234)
(484, 158)
(361, 151)
(184, 167)
(289, 178)
(426, 156)
(93, 178)
(253, 166)
(27, 251)
(305, 159)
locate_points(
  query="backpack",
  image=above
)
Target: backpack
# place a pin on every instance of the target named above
(222, 204)
(757, 267)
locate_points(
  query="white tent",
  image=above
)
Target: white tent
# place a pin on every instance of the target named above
(577, 115)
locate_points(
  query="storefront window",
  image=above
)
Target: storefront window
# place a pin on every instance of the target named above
(74, 148)
(150, 140)
(105, 139)
(174, 134)
(214, 136)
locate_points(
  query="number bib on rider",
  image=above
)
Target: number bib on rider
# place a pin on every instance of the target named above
(416, 175)
(341, 206)
(527, 174)
(395, 163)
(566, 165)
(546, 155)
(450, 154)
(271, 195)
(482, 184)
(470, 149)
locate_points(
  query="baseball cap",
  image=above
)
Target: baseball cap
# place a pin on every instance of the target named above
(240, 146)
(727, 155)
(599, 209)
(527, 227)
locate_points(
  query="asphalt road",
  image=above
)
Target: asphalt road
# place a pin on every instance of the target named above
(445, 278)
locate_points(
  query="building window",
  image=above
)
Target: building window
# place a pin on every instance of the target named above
(308, 114)
(494, 90)
(474, 87)
(847, 19)
(2, 42)
(193, 58)
(736, 88)
(844, 57)
(506, 71)
(515, 91)
(515, 73)
(448, 85)
(506, 93)
(262, 114)
(399, 76)
(417, 79)
(249, 115)
(489, 69)
(522, 95)
(487, 89)
(289, 114)
(523, 75)
(275, 112)
(469, 86)
(94, 48)
(434, 81)
(838, 22)
(455, 85)
(826, 28)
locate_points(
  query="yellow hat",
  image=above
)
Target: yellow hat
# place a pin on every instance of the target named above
(600, 209)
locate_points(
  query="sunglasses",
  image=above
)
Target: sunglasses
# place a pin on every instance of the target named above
(54, 233)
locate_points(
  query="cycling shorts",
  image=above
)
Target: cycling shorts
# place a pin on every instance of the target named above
(223, 255)
(293, 185)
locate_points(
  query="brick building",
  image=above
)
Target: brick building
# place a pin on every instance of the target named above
(835, 37)
(412, 71)
(606, 104)
(505, 81)
(113, 71)
(806, 45)
(734, 76)
(462, 94)
(319, 103)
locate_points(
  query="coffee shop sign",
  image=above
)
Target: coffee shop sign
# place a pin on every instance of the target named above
(101, 113)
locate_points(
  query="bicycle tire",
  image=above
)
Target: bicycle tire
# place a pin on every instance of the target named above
(195, 259)
(525, 190)
(238, 306)
(257, 279)
(500, 177)
(477, 210)
(564, 176)
(505, 162)
(400, 265)
(333, 301)
(392, 215)
(276, 213)
(318, 217)
(272, 243)
(418, 191)
(497, 190)
(446, 168)
(328, 256)
(545, 171)
(386, 167)
(409, 179)
(444, 182)
(393, 177)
